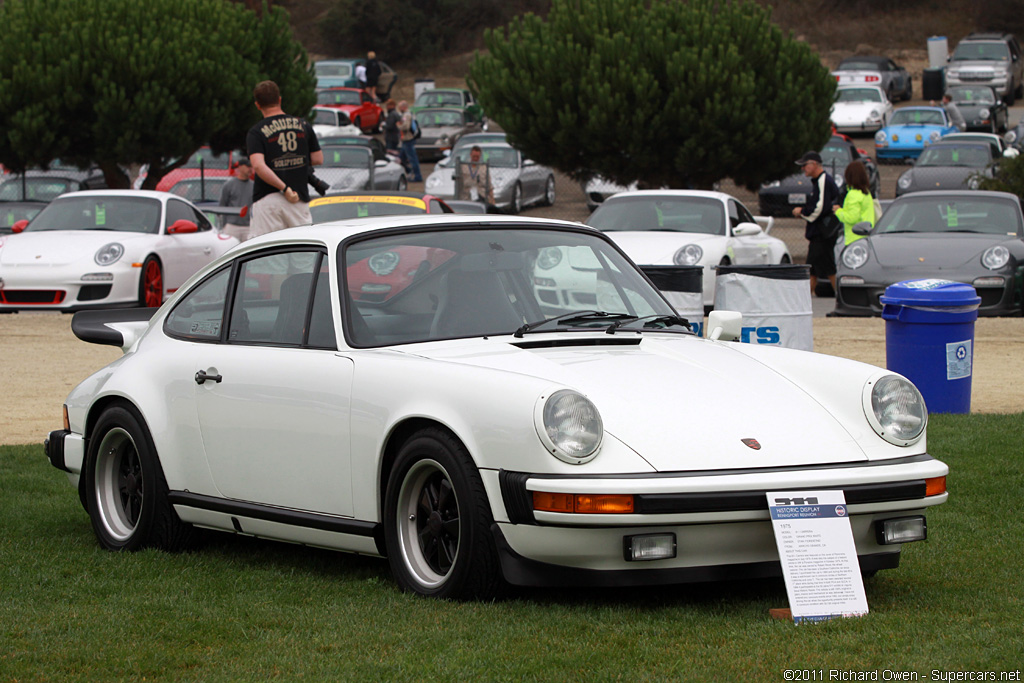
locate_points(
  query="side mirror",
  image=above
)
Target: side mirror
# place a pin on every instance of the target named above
(244, 212)
(380, 163)
(529, 162)
(19, 226)
(181, 227)
(863, 228)
(746, 230)
(724, 325)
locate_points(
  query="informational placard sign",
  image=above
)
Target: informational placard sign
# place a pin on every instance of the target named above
(819, 558)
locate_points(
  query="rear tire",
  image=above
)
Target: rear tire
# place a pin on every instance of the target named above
(549, 191)
(151, 283)
(437, 521)
(126, 493)
(516, 204)
(403, 184)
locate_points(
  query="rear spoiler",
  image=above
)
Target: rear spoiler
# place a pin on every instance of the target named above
(113, 327)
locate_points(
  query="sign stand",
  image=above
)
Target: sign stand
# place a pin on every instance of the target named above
(818, 554)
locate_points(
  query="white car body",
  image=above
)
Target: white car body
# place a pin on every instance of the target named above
(331, 122)
(50, 269)
(341, 436)
(860, 108)
(740, 240)
(535, 184)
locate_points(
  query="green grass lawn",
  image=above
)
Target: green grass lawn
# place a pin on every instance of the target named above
(239, 609)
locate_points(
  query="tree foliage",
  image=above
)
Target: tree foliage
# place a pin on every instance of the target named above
(121, 82)
(665, 92)
(1008, 178)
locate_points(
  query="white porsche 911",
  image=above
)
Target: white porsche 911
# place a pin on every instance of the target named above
(688, 228)
(105, 249)
(391, 386)
(860, 108)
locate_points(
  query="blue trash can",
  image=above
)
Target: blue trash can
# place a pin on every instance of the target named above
(929, 339)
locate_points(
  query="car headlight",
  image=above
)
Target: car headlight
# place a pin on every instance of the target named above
(995, 257)
(1010, 137)
(690, 255)
(108, 254)
(855, 255)
(549, 258)
(984, 113)
(895, 409)
(874, 115)
(384, 263)
(952, 73)
(905, 181)
(776, 183)
(569, 426)
(973, 183)
(880, 136)
(433, 182)
(934, 136)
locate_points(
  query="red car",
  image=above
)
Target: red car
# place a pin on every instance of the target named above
(204, 163)
(360, 107)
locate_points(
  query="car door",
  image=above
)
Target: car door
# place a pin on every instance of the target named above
(185, 253)
(746, 249)
(273, 396)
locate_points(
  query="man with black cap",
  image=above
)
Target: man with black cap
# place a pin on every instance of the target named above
(820, 231)
(238, 192)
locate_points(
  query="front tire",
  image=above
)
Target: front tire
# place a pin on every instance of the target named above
(516, 204)
(126, 493)
(549, 191)
(151, 283)
(403, 184)
(437, 521)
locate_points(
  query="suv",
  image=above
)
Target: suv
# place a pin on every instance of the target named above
(992, 59)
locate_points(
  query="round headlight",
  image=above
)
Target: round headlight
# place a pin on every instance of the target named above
(995, 257)
(433, 182)
(934, 136)
(895, 409)
(905, 181)
(108, 254)
(549, 258)
(874, 114)
(690, 255)
(984, 113)
(855, 255)
(569, 426)
(1010, 137)
(384, 263)
(880, 136)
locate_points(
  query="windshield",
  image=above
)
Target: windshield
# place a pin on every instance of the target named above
(207, 159)
(486, 281)
(12, 212)
(341, 208)
(859, 65)
(495, 157)
(328, 117)
(333, 70)
(989, 215)
(477, 139)
(905, 117)
(994, 51)
(347, 156)
(39, 189)
(338, 97)
(670, 214)
(430, 118)
(858, 95)
(973, 156)
(120, 214)
(199, 189)
(972, 94)
(836, 155)
(435, 98)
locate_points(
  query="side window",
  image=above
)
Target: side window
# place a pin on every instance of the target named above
(435, 206)
(177, 210)
(744, 215)
(321, 320)
(200, 314)
(272, 298)
(734, 214)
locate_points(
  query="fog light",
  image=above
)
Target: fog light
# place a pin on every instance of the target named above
(851, 280)
(97, 277)
(989, 282)
(649, 547)
(902, 530)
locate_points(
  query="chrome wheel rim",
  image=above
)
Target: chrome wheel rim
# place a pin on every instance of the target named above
(550, 198)
(428, 523)
(119, 490)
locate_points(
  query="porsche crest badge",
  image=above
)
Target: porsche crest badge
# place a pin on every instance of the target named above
(752, 443)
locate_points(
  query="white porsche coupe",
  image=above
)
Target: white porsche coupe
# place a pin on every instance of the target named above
(392, 386)
(106, 249)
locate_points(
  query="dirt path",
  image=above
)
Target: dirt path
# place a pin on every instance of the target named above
(41, 361)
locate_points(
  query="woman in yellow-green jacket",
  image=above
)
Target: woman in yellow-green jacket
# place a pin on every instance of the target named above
(858, 206)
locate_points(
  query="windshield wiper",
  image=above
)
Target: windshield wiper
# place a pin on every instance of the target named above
(650, 321)
(574, 317)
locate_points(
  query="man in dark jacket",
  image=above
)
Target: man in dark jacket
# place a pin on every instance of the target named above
(820, 230)
(372, 73)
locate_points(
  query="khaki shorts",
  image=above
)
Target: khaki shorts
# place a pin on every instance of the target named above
(274, 212)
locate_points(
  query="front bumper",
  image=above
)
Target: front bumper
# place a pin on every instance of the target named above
(34, 288)
(720, 521)
(863, 299)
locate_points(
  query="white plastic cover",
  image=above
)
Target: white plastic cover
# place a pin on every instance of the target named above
(775, 311)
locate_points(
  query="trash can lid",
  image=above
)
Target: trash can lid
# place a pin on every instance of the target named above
(930, 292)
(772, 272)
(676, 278)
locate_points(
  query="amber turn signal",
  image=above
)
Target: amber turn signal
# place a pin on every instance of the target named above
(934, 486)
(603, 503)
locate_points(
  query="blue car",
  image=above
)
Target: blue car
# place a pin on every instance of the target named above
(909, 130)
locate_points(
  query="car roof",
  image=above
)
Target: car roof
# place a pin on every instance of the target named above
(152, 194)
(964, 194)
(877, 59)
(855, 86)
(457, 110)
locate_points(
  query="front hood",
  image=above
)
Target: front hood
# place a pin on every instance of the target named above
(931, 249)
(855, 111)
(61, 247)
(657, 247)
(910, 130)
(942, 177)
(682, 404)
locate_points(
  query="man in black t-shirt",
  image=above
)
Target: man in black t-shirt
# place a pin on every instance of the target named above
(822, 225)
(283, 150)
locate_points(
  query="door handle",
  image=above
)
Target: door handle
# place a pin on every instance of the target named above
(202, 377)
